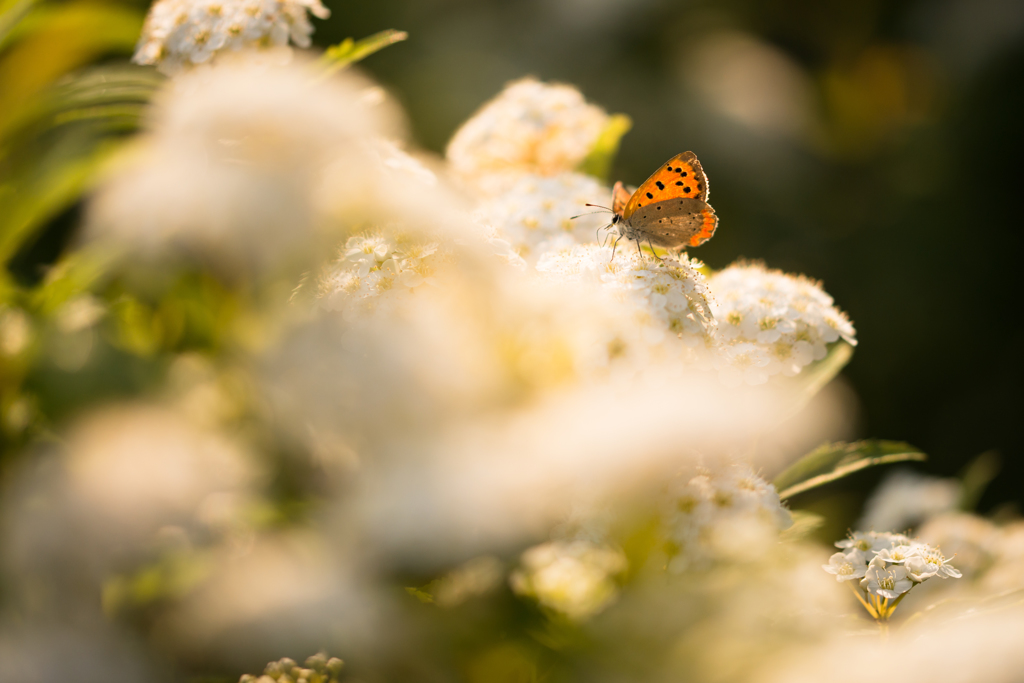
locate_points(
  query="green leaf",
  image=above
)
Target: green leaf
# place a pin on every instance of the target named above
(61, 140)
(814, 378)
(11, 13)
(74, 274)
(975, 477)
(43, 193)
(804, 524)
(350, 51)
(599, 161)
(420, 595)
(830, 462)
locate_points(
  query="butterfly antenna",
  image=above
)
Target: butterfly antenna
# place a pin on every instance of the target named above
(589, 213)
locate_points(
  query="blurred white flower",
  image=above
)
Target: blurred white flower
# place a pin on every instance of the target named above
(80, 313)
(780, 323)
(533, 213)
(847, 566)
(870, 542)
(373, 269)
(15, 331)
(122, 475)
(982, 646)
(473, 578)
(905, 499)
(576, 579)
(725, 514)
(742, 362)
(974, 540)
(179, 34)
(530, 127)
(282, 592)
(236, 164)
(1005, 551)
(887, 581)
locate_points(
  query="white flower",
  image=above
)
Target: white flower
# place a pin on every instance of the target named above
(906, 499)
(974, 539)
(847, 566)
(179, 34)
(530, 127)
(672, 293)
(870, 542)
(919, 569)
(534, 213)
(899, 554)
(728, 514)
(943, 569)
(575, 578)
(15, 331)
(888, 582)
(781, 323)
(742, 363)
(374, 268)
(236, 165)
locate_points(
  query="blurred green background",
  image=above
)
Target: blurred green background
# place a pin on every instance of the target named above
(864, 143)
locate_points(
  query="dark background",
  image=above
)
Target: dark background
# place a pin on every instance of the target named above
(874, 145)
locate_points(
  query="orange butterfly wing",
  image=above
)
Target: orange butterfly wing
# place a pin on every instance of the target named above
(680, 176)
(620, 196)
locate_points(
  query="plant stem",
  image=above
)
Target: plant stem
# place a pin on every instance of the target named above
(871, 610)
(897, 601)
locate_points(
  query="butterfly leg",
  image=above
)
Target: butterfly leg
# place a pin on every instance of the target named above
(654, 252)
(614, 245)
(639, 249)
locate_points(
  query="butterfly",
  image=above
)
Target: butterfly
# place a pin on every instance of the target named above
(669, 210)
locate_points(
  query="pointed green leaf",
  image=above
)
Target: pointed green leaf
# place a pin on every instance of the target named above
(814, 378)
(599, 162)
(804, 524)
(12, 12)
(976, 477)
(350, 51)
(46, 192)
(832, 461)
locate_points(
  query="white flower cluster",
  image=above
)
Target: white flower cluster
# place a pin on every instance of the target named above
(772, 323)
(534, 212)
(575, 578)
(181, 33)
(905, 499)
(318, 669)
(530, 127)
(233, 153)
(672, 291)
(887, 565)
(374, 269)
(519, 153)
(725, 515)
